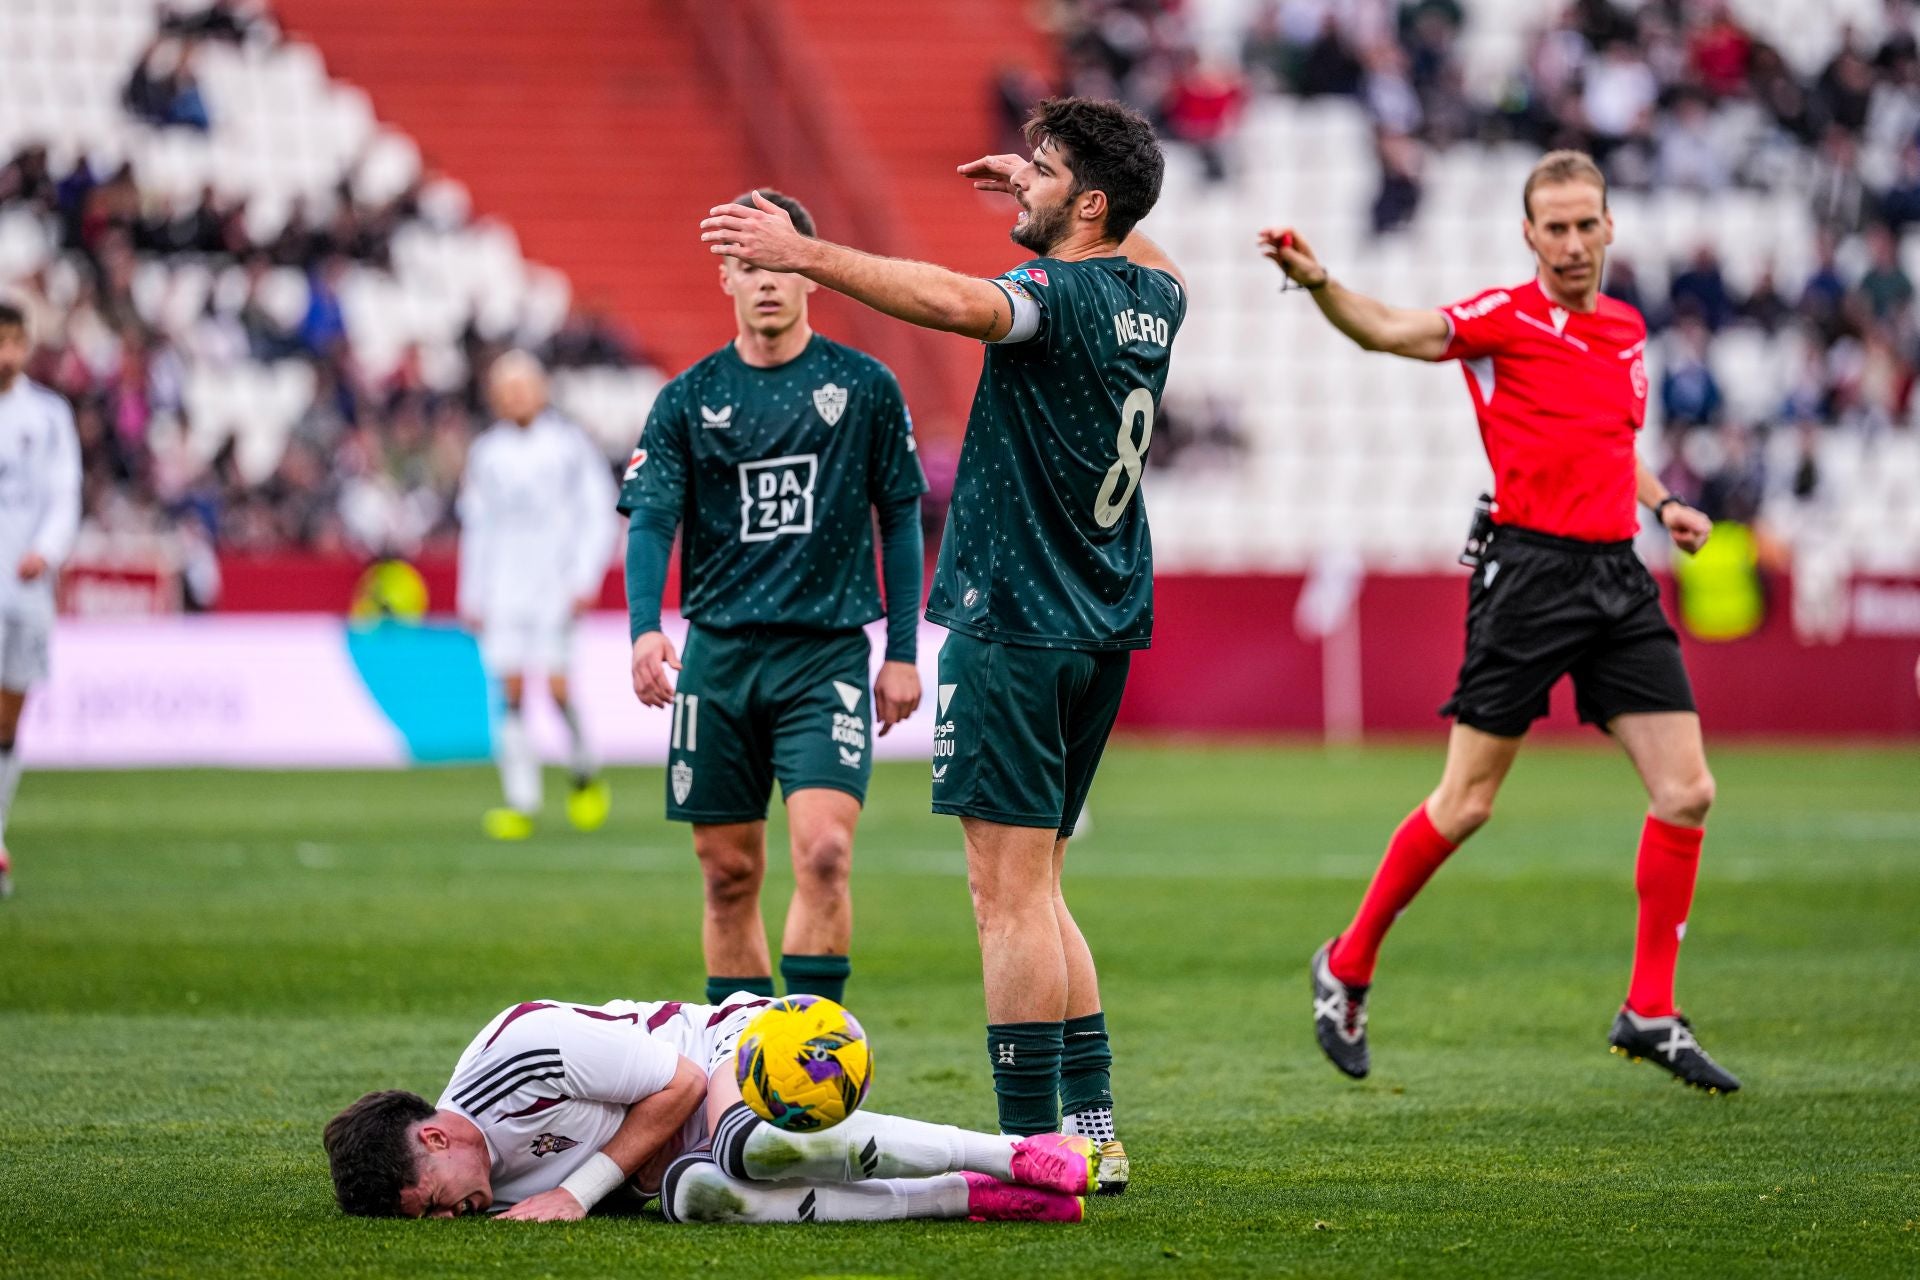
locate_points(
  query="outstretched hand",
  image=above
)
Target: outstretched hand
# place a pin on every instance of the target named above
(1289, 250)
(992, 173)
(760, 234)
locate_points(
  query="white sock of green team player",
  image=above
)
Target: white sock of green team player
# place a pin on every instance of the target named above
(580, 761)
(865, 1146)
(702, 1193)
(519, 766)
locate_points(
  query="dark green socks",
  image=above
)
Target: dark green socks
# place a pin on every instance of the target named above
(718, 989)
(1026, 1075)
(816, 976)
(1086, 1065)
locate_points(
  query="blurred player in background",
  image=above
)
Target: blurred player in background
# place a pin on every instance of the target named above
(39, 517)
(772, 455)
(1558, 376)
(536, 533)
(555, 1105)
(1045, 578)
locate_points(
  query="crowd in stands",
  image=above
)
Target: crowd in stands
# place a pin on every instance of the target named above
(373, 462)
(1670, 96)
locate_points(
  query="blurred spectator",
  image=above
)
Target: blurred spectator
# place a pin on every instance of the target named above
(1689, 393)
(1839, 196)
(1690, 158)
(1202, 108)
(162, 89)
(1884, 289)
(1719, 51)
(1764, 305)
(1699, 290)
(1399, 195)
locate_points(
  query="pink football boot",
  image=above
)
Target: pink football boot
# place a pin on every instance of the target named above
(1057, 1162)
(991, 1200)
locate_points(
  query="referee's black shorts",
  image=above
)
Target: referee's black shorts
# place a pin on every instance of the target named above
(1540, 607)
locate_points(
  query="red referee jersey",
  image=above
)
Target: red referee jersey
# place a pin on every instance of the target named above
(1560, 395)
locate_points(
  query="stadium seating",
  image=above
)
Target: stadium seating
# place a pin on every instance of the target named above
(284, 136)
(1381, 456)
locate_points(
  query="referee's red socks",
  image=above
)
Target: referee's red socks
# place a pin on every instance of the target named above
(1669, 861)
(1413, 855)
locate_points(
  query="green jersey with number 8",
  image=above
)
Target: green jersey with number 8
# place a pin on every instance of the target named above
(1046, 542)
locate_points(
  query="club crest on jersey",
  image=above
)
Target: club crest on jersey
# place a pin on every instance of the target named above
(1637, 371)
(634, 463)
(682, 776)
(549, 1143)
(716, 419)
(831, 401)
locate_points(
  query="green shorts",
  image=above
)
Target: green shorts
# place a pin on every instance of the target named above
(762, 703)
(1020, 731)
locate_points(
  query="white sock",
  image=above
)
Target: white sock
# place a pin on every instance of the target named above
(704, 1194)
(867, 1146)
(580, 761)
(9, 783)
(519, 766)
(1094, 1122)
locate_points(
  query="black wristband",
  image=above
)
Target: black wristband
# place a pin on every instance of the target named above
(1661, 505)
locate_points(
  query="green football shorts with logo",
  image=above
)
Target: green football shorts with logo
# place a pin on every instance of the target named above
(1019, 731)
(763, 703)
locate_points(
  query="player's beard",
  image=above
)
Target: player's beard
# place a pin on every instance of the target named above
(1044, 228)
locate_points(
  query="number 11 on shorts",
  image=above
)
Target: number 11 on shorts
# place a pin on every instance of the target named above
(686, 713)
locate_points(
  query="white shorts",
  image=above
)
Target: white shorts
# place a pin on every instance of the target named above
(23, 651)
(510, 646)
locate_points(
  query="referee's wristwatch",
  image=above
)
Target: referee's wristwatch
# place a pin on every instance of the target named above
(1660, 507)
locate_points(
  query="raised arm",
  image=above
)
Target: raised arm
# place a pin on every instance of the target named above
(918, 292)
(1417, 333)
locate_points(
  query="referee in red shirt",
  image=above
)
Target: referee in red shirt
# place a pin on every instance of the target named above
(1559, 380)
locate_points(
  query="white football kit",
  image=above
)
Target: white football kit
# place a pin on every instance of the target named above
(39, 511)
(549, 1081)
(536, 534)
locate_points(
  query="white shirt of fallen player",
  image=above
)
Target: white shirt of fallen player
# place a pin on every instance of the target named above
(39, 514)
(547, 1082)
(536, 534)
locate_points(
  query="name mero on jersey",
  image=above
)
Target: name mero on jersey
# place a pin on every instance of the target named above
(776, 496)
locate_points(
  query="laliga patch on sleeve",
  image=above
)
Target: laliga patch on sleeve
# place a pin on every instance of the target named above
(638, 460)
(1037, 275)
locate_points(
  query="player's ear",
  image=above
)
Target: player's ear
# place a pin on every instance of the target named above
(434, 1138)
(1093, 206)
(1607, 216)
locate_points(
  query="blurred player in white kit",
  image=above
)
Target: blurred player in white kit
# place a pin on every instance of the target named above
(39, 516)
(536, 535)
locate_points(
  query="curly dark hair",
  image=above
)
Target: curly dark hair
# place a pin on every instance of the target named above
(370, 1155)
(1109, 147)
(802, 220)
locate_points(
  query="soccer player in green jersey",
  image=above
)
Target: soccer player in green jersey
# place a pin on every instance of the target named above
(1045, 578)
(772, 455)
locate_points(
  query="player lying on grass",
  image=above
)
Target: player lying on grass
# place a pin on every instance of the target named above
(554, 1105)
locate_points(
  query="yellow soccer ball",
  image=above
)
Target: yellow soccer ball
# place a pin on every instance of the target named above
(803, 1064)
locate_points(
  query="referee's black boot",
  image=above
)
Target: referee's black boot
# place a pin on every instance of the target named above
(1340, 1018)
(1668, 1043)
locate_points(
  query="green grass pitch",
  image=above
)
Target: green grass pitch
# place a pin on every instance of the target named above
(200, 968)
